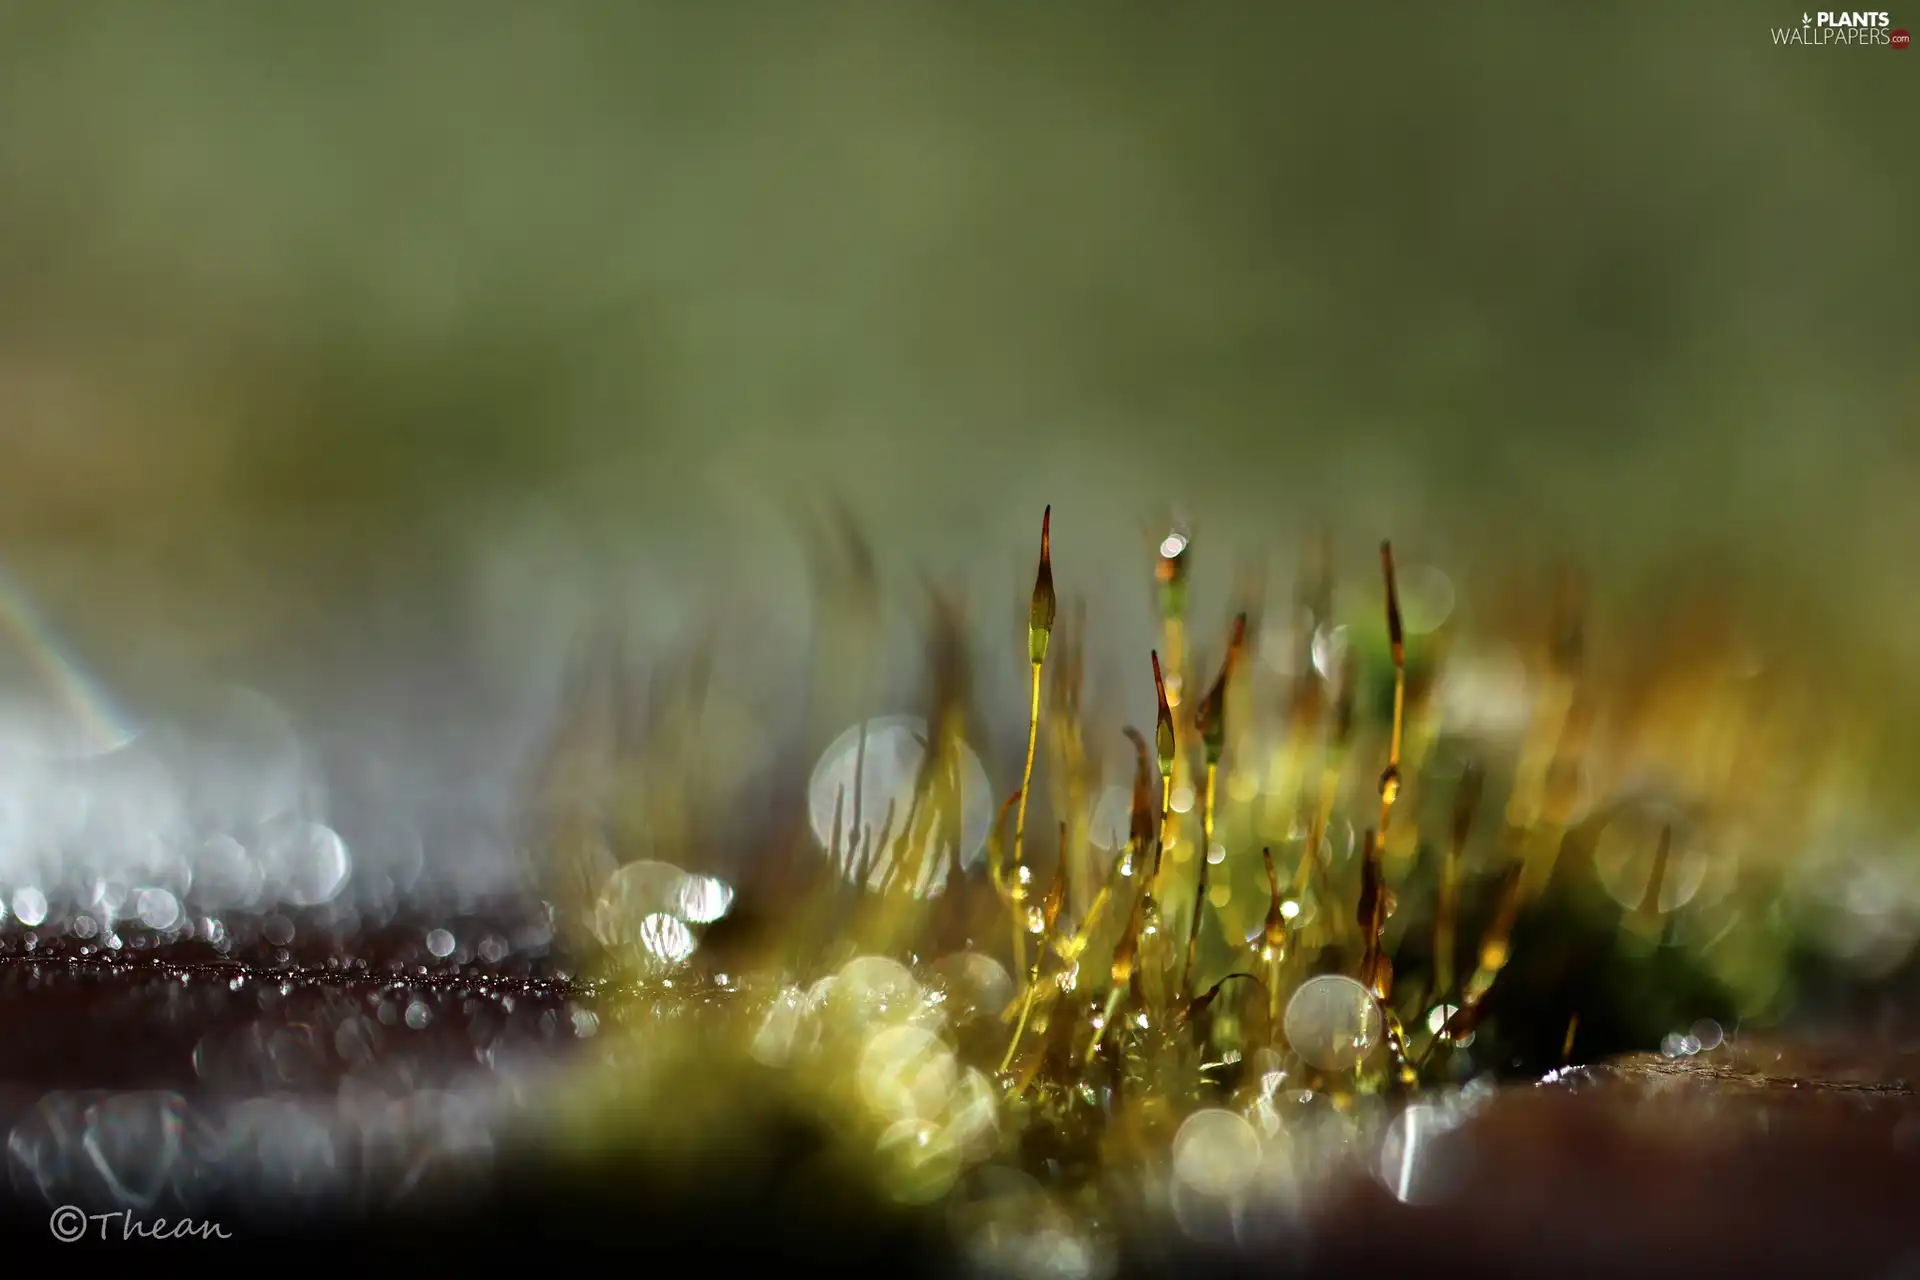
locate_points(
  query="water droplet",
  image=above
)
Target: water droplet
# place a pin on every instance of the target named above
(1626, 854)
(30, 906)
(1408, 1164)
(1112, 818)
(773, 1044)
(665, 938)
(157, 908)
(880, 762)
(225, 875)
(1426, 598)
(906, 1072)
(1216, 1153)
(925, 1160)
(1332, 1022)
(703, 899)
(1329, 651)
(354, 1040)
(868, 988)
(318, 867)
(1437, 1020)
(972, 985)
(133, 1141)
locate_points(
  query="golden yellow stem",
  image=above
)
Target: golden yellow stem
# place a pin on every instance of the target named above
(1085, 932)
(1273, 993)
(1106, 1020)
(1018, 877)
(1020, 1028)
(1160, 839)
(1390, 779)
(1200, 883)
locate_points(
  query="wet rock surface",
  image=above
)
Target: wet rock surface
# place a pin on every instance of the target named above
(1758, 1158)
(387, 1108)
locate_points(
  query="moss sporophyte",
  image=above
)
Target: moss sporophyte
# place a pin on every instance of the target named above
(1295, 895)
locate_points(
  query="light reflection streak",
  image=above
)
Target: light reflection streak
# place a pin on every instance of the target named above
(97, 723)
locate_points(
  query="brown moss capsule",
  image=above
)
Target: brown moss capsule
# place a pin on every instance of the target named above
(1213, 709)
(1040, 613)
(1056, 898)
(1163, 721)
(1140, 819)
(1396, 633)
(1274, 939)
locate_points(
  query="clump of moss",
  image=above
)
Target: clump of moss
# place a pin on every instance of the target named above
(1063, 1009)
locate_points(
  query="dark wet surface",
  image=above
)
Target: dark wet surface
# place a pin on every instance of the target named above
(262, 1018)
(1748, 1159)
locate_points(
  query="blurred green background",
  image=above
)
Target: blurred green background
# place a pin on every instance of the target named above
(331, 333)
